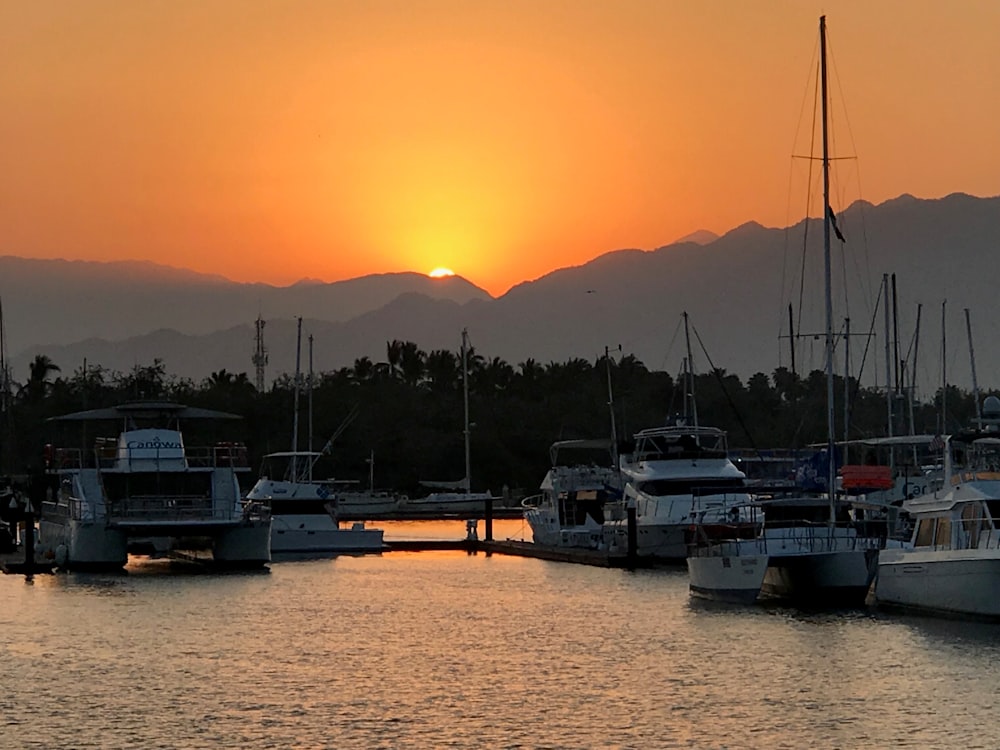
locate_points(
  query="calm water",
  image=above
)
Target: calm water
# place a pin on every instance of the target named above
(427, 650)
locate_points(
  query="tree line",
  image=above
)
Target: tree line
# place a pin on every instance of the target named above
(405, 414)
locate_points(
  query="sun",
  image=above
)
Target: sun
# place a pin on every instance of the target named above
(440, 272)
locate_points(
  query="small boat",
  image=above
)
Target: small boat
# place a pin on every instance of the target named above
(578, 495)
(304, 510)
(147, 487)
(951, 564)
(305, 513)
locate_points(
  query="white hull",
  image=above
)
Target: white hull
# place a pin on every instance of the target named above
(319, 534)
(82, 545)
(545, 530)
(726, 578)
(366, 508)
(952, 582)
(446, 503)
(838, 573)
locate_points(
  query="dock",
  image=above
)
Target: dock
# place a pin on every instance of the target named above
(515, 548)
(14, 563)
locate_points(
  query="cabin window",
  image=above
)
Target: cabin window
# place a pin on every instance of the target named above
(699, 487)
(973, 522)
(925, 533)
(942, 537)
(994, 508)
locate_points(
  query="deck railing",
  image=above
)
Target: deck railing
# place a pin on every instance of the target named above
(107, 455)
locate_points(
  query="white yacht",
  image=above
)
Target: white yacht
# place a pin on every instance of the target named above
(675, 476)
(305, 512)
(146, 485)
(577, 495)
(951, 565)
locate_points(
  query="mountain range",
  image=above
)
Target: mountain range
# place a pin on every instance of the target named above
(740, 291)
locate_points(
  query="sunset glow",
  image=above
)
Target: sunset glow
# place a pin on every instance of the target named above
(270, 142)
(439, 273)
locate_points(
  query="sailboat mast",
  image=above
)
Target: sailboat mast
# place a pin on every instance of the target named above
(689, 386)
(465, 398)
(944, 371)
(972, 357)
(310, 392)
(888, 356)
(830, 441)
(611, 406)
(295, 409)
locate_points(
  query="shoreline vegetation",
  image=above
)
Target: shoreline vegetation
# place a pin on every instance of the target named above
(409, 412)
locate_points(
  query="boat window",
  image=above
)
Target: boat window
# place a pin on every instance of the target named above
(942, 536)
(973, 522)
(307, 507)
(994, 507)
(925, 533)
(700, 487)
(167, 484)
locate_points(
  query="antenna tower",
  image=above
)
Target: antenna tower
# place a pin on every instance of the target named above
(260, 355)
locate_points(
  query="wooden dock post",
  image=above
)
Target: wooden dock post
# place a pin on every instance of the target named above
(633, 536)
(29, 542)
(489, 519)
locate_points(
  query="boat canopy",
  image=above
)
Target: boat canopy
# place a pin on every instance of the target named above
(145, 410)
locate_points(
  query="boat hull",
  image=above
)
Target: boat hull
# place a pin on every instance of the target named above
(830, 578)
(946, 582)
(82, 545)
(306, 541)
(245, 546)
(726, 578)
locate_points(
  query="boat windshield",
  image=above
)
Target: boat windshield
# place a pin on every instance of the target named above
(660, 447)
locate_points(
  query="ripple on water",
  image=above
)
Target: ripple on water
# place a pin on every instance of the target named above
(446, 650)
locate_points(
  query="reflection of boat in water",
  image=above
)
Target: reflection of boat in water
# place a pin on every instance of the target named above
(304, 512)
(147, 486)
(951, 564)
(573, 505)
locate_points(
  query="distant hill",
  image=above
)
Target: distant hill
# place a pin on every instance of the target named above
(58, 302)
(737, 290)
(701, 237)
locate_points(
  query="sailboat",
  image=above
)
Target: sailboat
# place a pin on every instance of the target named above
(454, 498)
(798, 554)
(304, 513)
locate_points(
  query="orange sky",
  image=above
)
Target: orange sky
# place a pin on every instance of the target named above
(271, 140)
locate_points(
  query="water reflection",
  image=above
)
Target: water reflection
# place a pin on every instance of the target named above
(437, 649)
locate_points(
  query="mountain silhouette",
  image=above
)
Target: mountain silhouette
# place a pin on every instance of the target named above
(738, 290)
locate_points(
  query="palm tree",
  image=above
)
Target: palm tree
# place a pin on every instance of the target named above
(443, 371)
(38, 386)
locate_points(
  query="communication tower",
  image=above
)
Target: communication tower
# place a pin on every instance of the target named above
(260, 355)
